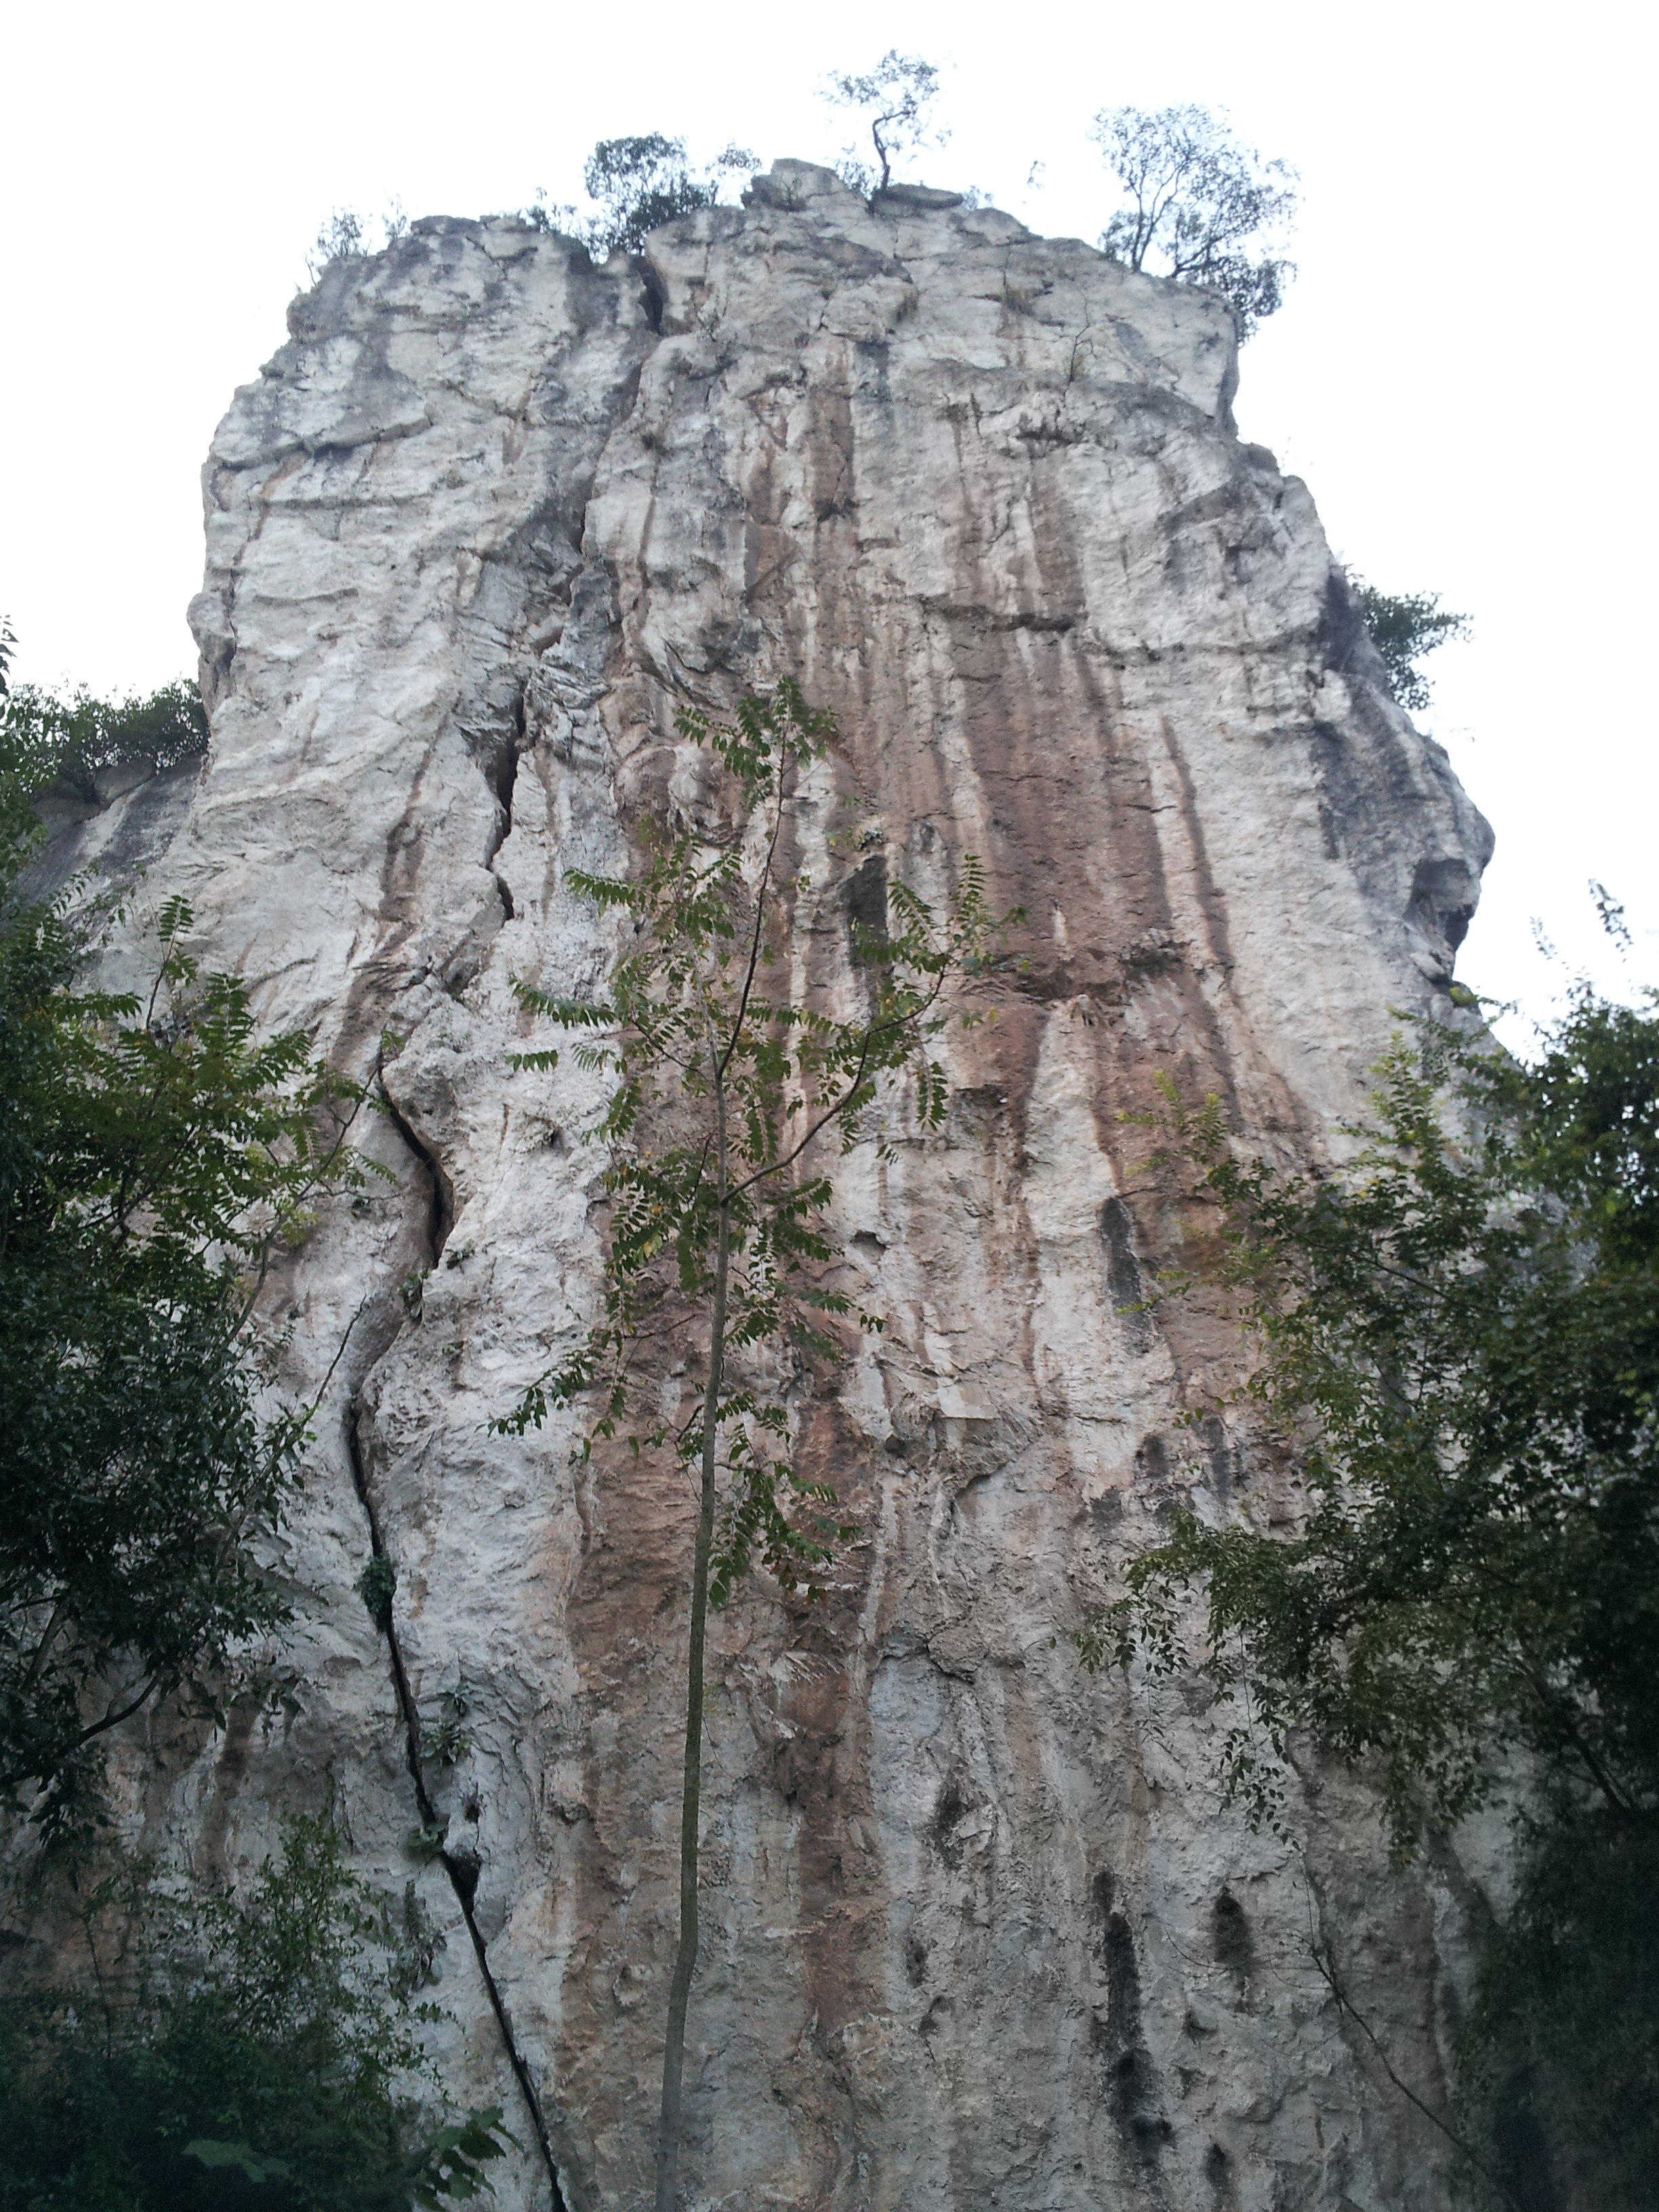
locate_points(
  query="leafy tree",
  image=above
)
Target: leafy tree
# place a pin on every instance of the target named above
(896, 95)
(73, 740)
(1403, 629)
(636, 184)
(724, 1081)
(1458, 1343)
(1200, 206)
(254, 2054)
(154, 1154)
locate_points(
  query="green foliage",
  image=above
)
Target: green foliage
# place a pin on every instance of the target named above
(895, 95)
(1200, 206)
(155, 1153)
(73, 740)
(1403, 629)
(344, 236)
(376, 1586)
(1561, 2051)
(251, 2054)
(1459, 1353)
(636, 184)
(746, 1080)
(633, 185)
(448, 1740)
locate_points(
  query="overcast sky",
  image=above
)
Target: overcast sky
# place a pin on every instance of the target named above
(1461, 374)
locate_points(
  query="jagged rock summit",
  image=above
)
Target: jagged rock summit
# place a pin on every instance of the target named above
(977, 1929)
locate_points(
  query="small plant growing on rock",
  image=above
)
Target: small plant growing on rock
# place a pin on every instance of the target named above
(1403, 629)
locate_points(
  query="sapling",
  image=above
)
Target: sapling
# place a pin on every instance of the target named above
(726, 1079)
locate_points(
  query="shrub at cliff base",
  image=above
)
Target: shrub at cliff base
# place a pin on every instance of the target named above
(263, 2054)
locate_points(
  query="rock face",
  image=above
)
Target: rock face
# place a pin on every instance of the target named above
(977, 1931)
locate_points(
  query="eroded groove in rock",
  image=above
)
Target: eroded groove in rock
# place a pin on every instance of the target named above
(981, 493)
(463, 1875)
(440, 1203)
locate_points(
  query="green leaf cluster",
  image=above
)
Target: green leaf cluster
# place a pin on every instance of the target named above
(156, 1153)
(1458, 1354)
(1403, 628)
(252, 2053)
(73, 740)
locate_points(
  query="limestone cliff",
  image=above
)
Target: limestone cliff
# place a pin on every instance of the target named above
(977, 1932)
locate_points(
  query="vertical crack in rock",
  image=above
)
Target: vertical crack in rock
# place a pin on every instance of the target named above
(462, 1873)
(440, 1218)
(504, 780)
(652, 294)
(496, 740)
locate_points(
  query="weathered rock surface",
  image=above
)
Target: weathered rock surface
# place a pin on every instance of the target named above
(977, 1929)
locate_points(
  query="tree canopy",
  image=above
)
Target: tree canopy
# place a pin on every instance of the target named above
(155, 1153)
(896, 96)
(637, 182)
(73, 740)
(1201, 208)
(634, 184)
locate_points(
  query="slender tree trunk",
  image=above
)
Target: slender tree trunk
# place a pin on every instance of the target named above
(679, 1991)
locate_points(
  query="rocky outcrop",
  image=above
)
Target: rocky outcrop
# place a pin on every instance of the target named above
(978, 1930)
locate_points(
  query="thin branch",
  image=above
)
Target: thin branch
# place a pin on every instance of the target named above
(1327, 1973)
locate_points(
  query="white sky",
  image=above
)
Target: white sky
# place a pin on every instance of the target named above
(1472, 322)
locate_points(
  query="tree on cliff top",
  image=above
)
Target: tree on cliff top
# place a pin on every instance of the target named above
(1458, 1342)
(638, 183)
(1200, 206)
(73, 739)
(895, 95)
(720, 1258)
(634, 185)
